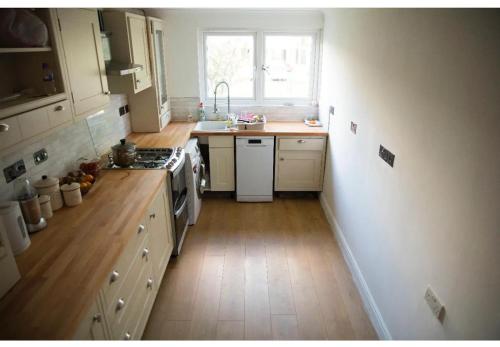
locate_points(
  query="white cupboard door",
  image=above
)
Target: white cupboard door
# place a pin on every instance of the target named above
(139, 50)
(221, 169)
(33, 122)
(81, 39)
(299, 170)
(92, 326)
(157, 52)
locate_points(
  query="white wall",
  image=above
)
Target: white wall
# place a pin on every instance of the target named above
(425, 84)
(182, 27)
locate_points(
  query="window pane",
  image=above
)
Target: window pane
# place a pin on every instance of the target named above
(288, 66)
(230, 58)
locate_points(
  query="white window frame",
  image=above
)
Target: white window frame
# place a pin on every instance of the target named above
(259, 59)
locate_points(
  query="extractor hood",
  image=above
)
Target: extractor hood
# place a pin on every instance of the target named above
(115, 68)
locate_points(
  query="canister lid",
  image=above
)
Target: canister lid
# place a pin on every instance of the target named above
(46, 182)
(70, 187)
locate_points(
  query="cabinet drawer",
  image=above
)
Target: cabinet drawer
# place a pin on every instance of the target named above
(120, 270)
(119, 311)
(301, 144)
(34, 122)
(59, 113)
(221, 141)
(11, 136)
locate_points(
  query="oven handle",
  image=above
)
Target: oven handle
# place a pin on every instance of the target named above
(181, 208)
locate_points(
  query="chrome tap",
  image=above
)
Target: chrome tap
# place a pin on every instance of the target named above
(228, 99)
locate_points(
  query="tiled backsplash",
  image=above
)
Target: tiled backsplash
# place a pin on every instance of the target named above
(84, 139)
(181, 107)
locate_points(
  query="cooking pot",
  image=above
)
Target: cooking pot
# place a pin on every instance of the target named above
(124, 153)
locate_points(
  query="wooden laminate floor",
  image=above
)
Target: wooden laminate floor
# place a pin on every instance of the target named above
(259, 271)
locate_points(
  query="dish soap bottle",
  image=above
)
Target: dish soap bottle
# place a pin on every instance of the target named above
(49, 84)
(201, 112)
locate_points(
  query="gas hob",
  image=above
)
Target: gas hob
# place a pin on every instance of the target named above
(153, 158)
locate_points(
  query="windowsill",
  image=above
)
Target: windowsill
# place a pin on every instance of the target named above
(239, 104)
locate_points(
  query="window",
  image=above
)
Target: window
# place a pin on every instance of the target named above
(260, 67)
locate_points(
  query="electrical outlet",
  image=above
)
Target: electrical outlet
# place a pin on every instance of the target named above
(386, 155)
(354, 127)
(331, 110)
(434, 303)
(40, 156)
(14, 171)
(123, 110)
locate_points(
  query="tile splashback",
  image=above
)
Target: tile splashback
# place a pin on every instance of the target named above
(83, 139)
(181, 107)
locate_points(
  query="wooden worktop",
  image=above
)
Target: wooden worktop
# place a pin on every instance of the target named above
(177, 134)
(67, 263)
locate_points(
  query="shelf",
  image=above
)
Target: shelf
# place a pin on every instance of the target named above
(27, 103)
(25, 49)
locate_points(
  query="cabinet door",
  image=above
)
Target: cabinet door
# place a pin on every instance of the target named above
(33, 122)
(160, 233)
(81, 39)
(157, 52)
(221, 169)
(299, 170)
(93, 326)
(138, 38)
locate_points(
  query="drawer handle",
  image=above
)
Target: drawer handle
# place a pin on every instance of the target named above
(152, 215)
(282, 159)
(107, 93)
(60, 108)
(4, 127)
(114, 276)
(97, 318)
(145, 253)
(301, 141)
(149, 284)
(138, 81)
(127, 336)
(141, 229)
(120, 304)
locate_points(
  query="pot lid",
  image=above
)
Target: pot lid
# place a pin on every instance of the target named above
(46, 182)
(124, 145)
(69, 187)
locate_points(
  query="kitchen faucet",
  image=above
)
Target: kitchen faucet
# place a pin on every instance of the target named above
(215, 97)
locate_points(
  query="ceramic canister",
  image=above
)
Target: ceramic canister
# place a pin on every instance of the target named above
(50, 186)
(72, 194)
(45, 206)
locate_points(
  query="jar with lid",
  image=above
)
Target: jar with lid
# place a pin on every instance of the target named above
(30, 206)
(50, 186)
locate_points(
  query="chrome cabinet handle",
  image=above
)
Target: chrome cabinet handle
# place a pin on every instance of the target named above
(149, 283)
(141, 229)
(120, 304)
(127, 336)
(145, 253)
(97, 318)
(137, 81)
(59, 108)
(4, 127)
(107, 92)
(114, 276)
(152, 215)
(282, 159)
(301, 141)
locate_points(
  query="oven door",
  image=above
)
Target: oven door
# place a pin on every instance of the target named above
(180, 221)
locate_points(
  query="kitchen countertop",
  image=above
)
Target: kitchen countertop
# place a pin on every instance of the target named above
(68, 262)
(177, 134)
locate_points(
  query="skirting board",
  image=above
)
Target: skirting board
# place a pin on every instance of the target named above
(368, 300)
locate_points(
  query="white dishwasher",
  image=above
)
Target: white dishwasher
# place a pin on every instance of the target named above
(254, 168)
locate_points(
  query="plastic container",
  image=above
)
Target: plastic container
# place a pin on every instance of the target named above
(72, 194)
(49, 83)
(50, 186)
(30, 206)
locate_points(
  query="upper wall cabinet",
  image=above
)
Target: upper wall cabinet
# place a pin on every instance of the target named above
(82, 46)
(129, 45)
(30, 61)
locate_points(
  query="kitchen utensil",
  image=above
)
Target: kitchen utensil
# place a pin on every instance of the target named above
(50, 186)
(30, 206)
(45, 206)
(72, 194)
(12, 221)
(124, 153)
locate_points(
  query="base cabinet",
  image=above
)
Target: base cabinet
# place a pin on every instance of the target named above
(221, 153)
(299, 163)
(125, 301)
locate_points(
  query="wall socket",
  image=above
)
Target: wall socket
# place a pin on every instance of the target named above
(40, 156)
(354, 127)
(14, 171)
(386, 155)
(435, 304)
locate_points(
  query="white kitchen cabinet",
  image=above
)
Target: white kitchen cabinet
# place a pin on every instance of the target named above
(221, 154)
(81, 40)
(160, 232)
(126, 298)
(93, 326)
(299, 163)
(129, 44)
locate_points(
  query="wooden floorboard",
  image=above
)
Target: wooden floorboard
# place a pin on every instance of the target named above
(259, 271)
